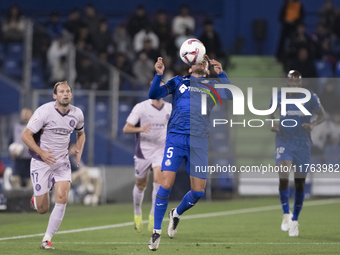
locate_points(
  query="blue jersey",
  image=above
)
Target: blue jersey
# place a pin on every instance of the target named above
(296, 138)
(186, 116)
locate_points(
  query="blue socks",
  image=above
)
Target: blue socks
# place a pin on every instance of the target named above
(299, 197)
(161, 203)
(189, 200)
(284, 197)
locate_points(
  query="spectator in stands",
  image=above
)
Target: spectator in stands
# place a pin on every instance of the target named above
(103, 73)
(82, 175)
(57, 50)
(91, 19)
(162, 28)
(54, 25)
(102, 41)
(304, 64)
(2, 169)
(143, 69)
(152, 53)
(41, 44)
(123, 64)
(74, 22)
(122, 42)
(327, 14)
(22, 163)
(86, 75)
(14, 25)
(183, 21)
(143, 35)
(291, 14)
(211, 41)
(138, 21)
(84, 38)
(180, 39)
(330, 98)
(58, 71)
(300, 39)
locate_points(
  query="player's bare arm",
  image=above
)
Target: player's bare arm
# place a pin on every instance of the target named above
(129, 128)
(27, 138)
(80, 145)
(159, 66)
(321, 118)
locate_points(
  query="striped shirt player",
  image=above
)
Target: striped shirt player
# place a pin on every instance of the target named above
(148, 120)
(48, 135)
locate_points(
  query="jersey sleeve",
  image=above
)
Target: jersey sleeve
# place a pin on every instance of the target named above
(134, 116)
(316, 104)
(37, 121)
(224, 92)
(80, 124)
(171, 85)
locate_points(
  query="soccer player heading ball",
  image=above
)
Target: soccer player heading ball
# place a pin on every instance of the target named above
(183, 142)
(293, 146)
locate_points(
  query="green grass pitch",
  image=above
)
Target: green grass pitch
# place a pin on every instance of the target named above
(244, 226)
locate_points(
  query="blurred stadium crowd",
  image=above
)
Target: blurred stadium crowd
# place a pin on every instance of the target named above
(132, 47)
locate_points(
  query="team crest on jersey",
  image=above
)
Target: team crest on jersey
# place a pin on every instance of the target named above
(37, 187)
(168, 162)
(72, 123)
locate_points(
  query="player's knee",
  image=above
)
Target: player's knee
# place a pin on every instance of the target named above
(283, 184)
(141, 185)
(196, 195)
(61, 199)
(42, 209)
(299, 185)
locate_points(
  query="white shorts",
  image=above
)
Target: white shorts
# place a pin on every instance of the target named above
(142, 166)
(44, 176)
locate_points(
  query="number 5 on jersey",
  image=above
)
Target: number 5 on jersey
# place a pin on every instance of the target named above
(169, 152)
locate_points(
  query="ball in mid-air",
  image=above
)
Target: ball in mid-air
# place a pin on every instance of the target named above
(192, 52)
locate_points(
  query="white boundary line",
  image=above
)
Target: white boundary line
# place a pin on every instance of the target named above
(139, 243)
(188, 217)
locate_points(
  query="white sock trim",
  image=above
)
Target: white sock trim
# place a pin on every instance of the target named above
(158, 231)
(175, 214)
(47, 238)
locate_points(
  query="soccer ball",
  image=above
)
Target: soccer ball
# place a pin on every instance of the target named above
(16, 149)
(192, 52)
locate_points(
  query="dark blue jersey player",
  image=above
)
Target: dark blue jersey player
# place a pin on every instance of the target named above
(293, 148)
(187, 138)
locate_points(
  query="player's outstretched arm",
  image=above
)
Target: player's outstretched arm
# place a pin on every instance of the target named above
(321, 118)
(156, 91)
(27, 138)
(129, 128)
(80, 145)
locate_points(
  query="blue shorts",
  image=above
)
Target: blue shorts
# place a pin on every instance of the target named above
(300, 158)
(192, 149)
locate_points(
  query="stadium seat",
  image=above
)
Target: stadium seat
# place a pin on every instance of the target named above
(15, 51)
(337, 69)
(2, 52)
(12, 67)
(37, 80)
(324, 69)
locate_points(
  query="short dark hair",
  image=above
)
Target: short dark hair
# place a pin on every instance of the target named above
(59, 83)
